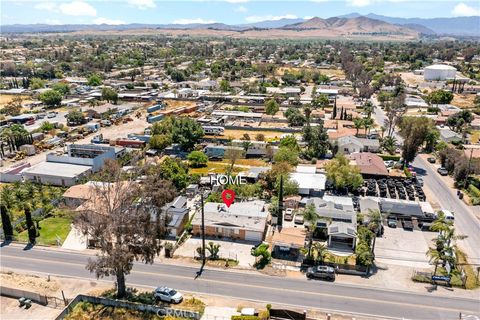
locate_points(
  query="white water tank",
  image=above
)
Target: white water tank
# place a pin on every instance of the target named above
(439, 72)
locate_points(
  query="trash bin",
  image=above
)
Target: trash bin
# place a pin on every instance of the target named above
(460, 196)
(21, 301)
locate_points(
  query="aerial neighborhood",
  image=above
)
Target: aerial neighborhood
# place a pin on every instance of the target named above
(352, 162)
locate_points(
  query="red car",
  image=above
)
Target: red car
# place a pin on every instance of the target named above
(30, 122)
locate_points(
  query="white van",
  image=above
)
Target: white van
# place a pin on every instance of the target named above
(449, 216)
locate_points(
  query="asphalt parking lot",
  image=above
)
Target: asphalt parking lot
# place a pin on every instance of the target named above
(405, 248)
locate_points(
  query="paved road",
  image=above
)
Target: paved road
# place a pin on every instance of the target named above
(380, 117)
(275, 290)
(465, 221)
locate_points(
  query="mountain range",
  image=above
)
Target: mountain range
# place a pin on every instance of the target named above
(353, 23)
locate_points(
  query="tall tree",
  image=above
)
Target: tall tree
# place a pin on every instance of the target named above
(6, 223)
(32, 231)
(119, 221)
(414, 131)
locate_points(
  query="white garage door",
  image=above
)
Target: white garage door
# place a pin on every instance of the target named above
(253, 236)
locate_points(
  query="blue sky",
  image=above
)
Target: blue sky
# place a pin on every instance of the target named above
(226, 11)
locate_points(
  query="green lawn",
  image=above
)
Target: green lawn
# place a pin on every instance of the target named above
(50, 228)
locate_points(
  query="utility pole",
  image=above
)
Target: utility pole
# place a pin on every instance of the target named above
(280, 203)
(468, 170)
(203, 229)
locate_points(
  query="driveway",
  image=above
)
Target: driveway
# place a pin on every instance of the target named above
(404, 248)
(228, 249)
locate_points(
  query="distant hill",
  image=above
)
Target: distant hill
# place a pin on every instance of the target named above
(351, 26)
(353, 23)
(460, 26)
(271, 24)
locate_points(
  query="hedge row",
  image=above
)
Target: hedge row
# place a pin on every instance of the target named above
(474, 194)
(387, 157)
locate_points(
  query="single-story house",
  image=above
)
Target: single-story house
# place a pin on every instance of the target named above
(177, 213)
(76, 195)
(309, 182)
(338, 220)
(242, 221)
(351, 144)
(449, 136)
(369, 164)
(287, 243)
(292, 202)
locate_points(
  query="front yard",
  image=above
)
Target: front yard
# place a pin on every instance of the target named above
(50, 229)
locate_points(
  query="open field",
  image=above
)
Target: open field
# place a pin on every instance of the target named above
(237, 134)
(338, 73)
(6, 98)
(172, 104)
(463, 100)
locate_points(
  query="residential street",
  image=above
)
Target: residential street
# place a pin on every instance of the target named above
(276, 290)
(465, 221)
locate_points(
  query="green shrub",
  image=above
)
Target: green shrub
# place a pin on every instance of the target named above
(245, 318)
(407, 172)
(387, 157)
(474, 194)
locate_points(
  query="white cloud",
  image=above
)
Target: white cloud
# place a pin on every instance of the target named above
(48, 6)
(463, 10)
(236, 1)
(360, 3)
(53, 21)
(100, 20)
(241, 9)
(142, 4)
(270, 17)
(197, 20)
(78, 8)
(308, 17)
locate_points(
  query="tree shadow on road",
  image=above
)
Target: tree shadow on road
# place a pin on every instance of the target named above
(5, 243)
(28, 246)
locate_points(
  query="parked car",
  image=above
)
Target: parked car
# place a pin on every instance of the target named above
(407, 224)
(40, 115)
(431, 159)
(107, 123)
(420, 181)
(392, 221)
(168, 295)
(52, 114)
(30, 122)
(442, 171)
(321, 272)
(299, 219)
(288, 214)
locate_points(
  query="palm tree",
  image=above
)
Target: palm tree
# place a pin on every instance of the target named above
(434, 257)
(7, 197)
(441, 223)
(213, 248)
(368, 108)
(310, 216)
(389, 144)
(321, 251)
(358, 123)
(367, 124)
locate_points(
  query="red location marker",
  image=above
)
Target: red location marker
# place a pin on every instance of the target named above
(228, 197)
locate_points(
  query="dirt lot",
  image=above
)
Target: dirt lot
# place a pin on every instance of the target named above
(463, 100)
(71, 287)
(338, 73)
(172, 104)
(236, 134)
(6, 98)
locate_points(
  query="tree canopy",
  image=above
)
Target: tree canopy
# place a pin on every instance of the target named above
(51, 98)
(342, 174)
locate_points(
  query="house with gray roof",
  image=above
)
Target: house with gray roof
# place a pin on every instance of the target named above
(241, 221)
